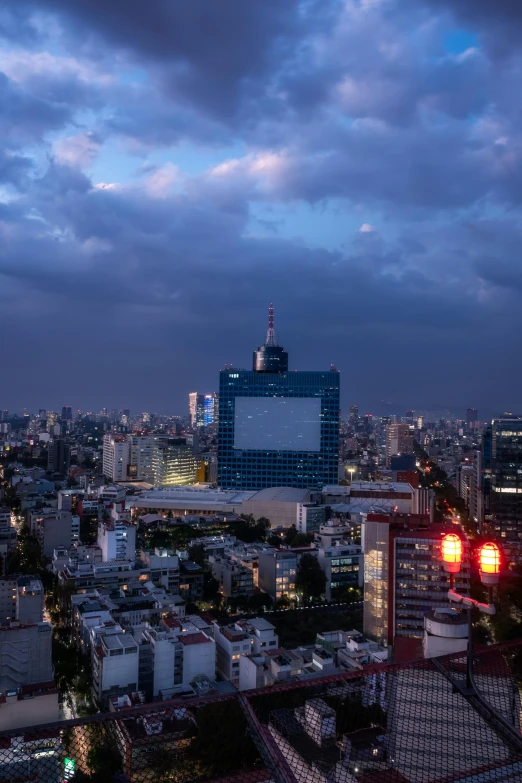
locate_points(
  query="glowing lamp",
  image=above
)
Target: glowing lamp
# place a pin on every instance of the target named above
(489, 559)
(451, 549)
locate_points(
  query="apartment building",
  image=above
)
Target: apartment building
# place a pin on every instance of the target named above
(277, 571)
(114, 665)
(235, 580)
(343, 568)
(181, 650)
(25, 655)
(52, 528)
(261, 670)
(21, 600)
(244, 637)
(116, 539)
(116, 453)
(231, 643)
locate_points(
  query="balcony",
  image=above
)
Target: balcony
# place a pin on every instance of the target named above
(383, 724)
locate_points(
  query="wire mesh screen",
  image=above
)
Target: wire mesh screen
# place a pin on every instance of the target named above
(387, 724)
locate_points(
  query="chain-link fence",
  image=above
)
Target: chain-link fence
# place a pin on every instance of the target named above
(387, 724)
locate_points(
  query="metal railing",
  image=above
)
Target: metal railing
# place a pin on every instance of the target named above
(386, 724)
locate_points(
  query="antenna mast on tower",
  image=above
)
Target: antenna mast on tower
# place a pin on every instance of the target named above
(270, 335)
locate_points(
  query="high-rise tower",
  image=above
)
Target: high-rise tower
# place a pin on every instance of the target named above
(277, 428)
(270, 357)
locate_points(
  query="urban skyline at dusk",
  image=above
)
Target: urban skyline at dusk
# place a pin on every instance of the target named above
(261, 418)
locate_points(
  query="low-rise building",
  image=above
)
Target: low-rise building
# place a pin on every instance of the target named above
(244, 637)
(310, 517)
(163, 565)
(167, 731)
(30, 705)
(52, 528)
(352, 649)
(21, 599)
(114, 666)
(191, 581)
(277, 572)
(307, 738)
(261, 670)
(235, 580)
(231, 643)
(181, 650)
(116, 539)
(112, 575)
(343, 567)
(25, 655)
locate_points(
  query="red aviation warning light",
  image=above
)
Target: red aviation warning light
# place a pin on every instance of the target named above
(489, 559)
(451, 549)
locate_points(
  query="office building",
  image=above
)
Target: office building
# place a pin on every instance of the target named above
(403, 574)
(502, 449)
(476, 499)
(117, 540)
(115, 457)
(472, 421)
(210, 409)
(195, 410)
(140, 458)
(173, 463)
(399, 440)
(203, 409)
(343, 568)
(66, 413)
(58, 456)
(310, 517)
(277, 428)
(276, 574)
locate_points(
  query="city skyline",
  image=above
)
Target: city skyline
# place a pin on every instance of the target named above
(356, 163)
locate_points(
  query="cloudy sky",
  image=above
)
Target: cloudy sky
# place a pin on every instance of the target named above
(168, 168)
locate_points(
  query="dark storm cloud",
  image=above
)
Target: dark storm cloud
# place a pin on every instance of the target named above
(14, 168)
(208, 53)
(24, 116)
(499, 23)
(151, 282)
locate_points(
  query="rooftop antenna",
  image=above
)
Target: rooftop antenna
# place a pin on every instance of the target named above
(270, 335)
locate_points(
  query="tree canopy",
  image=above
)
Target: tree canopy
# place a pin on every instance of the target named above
(310, 578)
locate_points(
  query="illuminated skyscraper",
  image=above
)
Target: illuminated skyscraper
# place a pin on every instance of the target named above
(277, 428)
(202, 409)
(502, 450)
(399, 440)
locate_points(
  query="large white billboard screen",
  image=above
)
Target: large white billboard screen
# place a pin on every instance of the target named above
(277, 423)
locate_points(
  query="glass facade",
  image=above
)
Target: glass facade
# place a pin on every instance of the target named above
(404, 578)
(503, 484)
(253, 469)
(173, 463)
